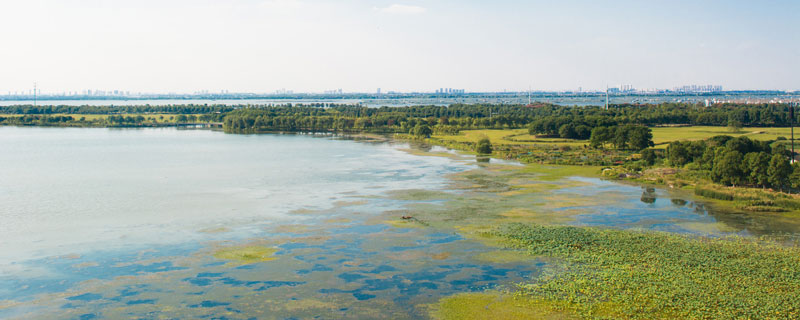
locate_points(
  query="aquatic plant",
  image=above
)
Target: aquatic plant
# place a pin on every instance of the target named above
(651, 275)
(246, 254)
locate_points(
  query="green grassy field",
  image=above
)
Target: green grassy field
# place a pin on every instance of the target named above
(509, 137)
(664, 135)
(661, 135)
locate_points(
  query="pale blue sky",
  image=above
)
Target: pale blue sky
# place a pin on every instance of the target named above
(360, 45)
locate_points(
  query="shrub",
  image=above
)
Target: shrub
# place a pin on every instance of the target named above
(484, 146)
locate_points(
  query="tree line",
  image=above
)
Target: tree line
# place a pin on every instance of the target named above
(737, 161)
(563, 121)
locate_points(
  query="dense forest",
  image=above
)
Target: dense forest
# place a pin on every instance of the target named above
(566, 122)
(176, 109)
(545, 119)
(737, 161)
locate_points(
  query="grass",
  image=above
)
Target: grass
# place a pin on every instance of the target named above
(665, 135)
(661, 135)
(751, 199)
(508, 137)
(652, 275)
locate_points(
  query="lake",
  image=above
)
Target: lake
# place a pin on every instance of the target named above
(152, 223)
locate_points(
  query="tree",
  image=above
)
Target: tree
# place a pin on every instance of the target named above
(620, 137)
(421, 130)
(678, 154)
(756, 166)
(794, 178)
(583, 132)
(484, 146)
(649, 156)
(640, 137)
(734, 126)
(779, 171)
(600, 136)
(567, 131)
(727, 167)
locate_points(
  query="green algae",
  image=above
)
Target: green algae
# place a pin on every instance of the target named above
(419, 195)
(338, 220)
(553, 172)
(340, 204)
(707, 227)
(246, 254)
(213, 230)
(404, 223)
(493, 305)
(504, 256)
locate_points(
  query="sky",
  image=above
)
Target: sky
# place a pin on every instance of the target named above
(417, 45)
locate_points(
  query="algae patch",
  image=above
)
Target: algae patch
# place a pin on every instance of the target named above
(246, 254)
(707, 227)
(504, 256)
(404, 223)
(340, 204)
(213, 230)
(419, 195)
(493, 305)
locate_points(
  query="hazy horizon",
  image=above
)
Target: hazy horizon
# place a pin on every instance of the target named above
(359, 46)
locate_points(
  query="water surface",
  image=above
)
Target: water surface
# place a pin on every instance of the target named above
(125, 223)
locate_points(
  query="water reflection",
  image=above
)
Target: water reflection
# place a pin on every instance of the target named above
(678, 202)
(667, 210)
(648, 195)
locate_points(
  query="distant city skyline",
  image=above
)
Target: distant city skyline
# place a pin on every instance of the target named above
(262, 46)
(622, 88)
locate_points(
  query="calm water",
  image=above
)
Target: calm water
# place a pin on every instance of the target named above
(104, 223)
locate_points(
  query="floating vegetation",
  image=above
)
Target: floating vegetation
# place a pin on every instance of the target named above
(408, 223)
(545, 217)
(504, 256)
(340, 204)
(338, 220)
(653, 275)
(419, 195)
(441, 256)
(215, 230)
(707, 227)
(87, 264)
(305, 211)
(494, 305)
(246, 254)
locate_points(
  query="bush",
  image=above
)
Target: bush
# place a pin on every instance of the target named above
(484, 146)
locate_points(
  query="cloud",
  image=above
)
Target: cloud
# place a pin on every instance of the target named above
(402, 9)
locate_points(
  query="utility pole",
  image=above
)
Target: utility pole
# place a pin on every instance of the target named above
(791, 124)
(529, 95)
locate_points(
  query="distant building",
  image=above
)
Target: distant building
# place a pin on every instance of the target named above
(626, 88)
(450, 91)
(699, 89)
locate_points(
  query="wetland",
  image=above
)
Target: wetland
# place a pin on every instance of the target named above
(171, 223)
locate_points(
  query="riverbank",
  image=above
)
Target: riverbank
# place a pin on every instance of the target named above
(627, 165)
(636, 272)
(639, 270)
